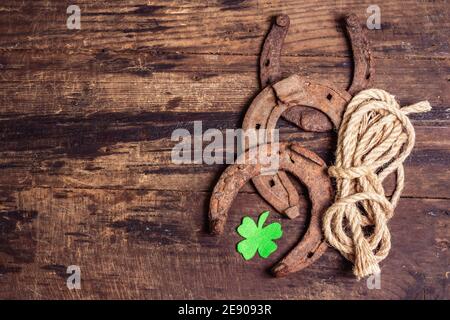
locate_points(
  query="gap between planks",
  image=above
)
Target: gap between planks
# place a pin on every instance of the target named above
(173, 190)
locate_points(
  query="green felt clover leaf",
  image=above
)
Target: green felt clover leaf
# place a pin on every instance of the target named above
(257, 237)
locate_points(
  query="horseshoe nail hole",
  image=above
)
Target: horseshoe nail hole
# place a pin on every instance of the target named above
(267, 62)
(310, 255)
(272, 183)
(329, 97)
(258, 126)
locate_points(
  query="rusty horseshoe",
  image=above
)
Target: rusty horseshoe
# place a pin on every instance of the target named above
(269, 72)
(310, 105)
(264, 112)
(305, 165)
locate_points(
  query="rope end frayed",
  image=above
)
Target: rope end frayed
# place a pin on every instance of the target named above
(419, 107)
(370, 270)
(365, 263)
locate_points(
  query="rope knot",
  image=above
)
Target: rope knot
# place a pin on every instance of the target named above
(374, 139)
(349, 173)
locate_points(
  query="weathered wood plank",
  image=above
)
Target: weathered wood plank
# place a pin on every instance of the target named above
(137, 155)
(409, 28)
(147, 244)
(85, 124)
(74, 84)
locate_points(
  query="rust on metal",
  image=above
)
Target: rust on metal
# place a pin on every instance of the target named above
(364, 64)
(305, 165)
(304, 117)
(269, 61)
(264, 112)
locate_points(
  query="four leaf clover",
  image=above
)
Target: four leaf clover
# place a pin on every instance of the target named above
(257, 237)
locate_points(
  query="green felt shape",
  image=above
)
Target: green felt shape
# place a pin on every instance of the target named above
(257, 237)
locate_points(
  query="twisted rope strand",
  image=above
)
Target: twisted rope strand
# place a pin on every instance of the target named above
(374, 139)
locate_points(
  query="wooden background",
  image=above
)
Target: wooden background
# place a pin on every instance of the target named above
(86, 118)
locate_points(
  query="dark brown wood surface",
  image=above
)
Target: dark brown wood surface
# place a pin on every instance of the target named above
(86, 118)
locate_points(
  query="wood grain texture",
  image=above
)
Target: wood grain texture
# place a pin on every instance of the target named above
(86, 119)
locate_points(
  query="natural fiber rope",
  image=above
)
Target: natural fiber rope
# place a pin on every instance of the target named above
(374, 139)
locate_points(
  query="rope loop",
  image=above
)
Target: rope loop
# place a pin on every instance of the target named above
(374, 139)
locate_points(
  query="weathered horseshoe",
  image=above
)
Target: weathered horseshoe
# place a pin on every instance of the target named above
(264, 112)
(274, 100)
(364, 63)
(311, 106)
(364, 68)
(269, 60)
(310, 169)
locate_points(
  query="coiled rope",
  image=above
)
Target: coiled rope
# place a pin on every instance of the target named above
(374, 139)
